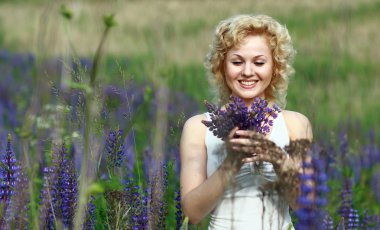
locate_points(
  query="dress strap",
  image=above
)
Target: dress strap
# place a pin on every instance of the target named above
(279, 134)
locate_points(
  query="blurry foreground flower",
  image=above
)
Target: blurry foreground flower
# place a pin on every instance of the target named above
(9, 171)
(312, 199)
(60, 192)
(13, 209)
(115, 152)
(259, 117)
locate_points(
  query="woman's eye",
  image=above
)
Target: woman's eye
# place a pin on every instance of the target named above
(237, 62)
(259, 63)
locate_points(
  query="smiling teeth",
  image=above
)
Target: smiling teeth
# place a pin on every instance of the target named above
(248, 82)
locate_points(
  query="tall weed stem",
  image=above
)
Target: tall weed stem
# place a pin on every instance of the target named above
(83, 180)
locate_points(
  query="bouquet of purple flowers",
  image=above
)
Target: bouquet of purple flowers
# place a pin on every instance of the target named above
(259, 117)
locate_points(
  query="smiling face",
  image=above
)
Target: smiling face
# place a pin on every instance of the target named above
(249, 68)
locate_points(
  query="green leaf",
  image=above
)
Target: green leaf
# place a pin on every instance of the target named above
(185, 224)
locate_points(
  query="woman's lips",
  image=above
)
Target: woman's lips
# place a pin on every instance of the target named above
(248, 84)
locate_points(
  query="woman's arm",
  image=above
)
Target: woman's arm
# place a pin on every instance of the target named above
(298, 125)
(301, 137)
(199, 193)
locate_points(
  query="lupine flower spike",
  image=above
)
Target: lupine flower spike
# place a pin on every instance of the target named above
(114, 150)
(312, 198)
(9, 176)
(9, 171)
(59, 194)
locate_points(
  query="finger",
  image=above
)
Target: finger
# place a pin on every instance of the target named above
(248, 133)
(242, 141)
(246, 150)
(232, 132)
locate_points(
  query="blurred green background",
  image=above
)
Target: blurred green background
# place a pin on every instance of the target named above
(338, 46)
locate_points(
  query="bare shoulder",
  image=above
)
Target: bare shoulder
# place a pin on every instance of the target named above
(194, 130)
(195, 122)
(298, 125)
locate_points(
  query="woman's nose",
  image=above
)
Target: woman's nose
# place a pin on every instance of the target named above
(248, 70)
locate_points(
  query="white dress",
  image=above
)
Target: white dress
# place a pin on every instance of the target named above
(244, 206)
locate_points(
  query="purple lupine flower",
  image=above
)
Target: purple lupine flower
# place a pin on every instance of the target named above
(15, 71)
(305, 213)
(353, 219)
(137, 200)
(89, 224)
(343, 143)
(178, 208)
(47, 197)
(68, 187)
(313, 189)
(346, 195)
(114, 149)
(347, 213)
(16, 213)
(366, 221)
(370, 158)
(258, 117)
(9, 172)
(328, 223)
(375, 184)
(377, 221)
(59, 194)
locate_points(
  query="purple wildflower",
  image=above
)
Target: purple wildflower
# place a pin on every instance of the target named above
(377, 221)
(137, 200)
(9, 172)
(89, 224)
(114, 149)
(349, 215)
(346, 195)
(312, 197)
(258, 117)
(47, 214)
(343, 143)
(59, 195)
(366, 223)
(14, 191)
(375, 184)
(178, 207)
(328, 223)
(17, 212)
(353, 219)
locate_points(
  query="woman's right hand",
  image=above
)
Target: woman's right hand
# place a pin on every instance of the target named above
(234, 158)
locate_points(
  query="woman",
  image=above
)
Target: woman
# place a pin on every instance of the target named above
(250, 57)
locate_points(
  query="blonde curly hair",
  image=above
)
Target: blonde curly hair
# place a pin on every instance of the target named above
(230, 33)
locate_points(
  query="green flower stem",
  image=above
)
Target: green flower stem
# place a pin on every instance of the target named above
(83, 179)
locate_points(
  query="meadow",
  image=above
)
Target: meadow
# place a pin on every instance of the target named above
(89, 136)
